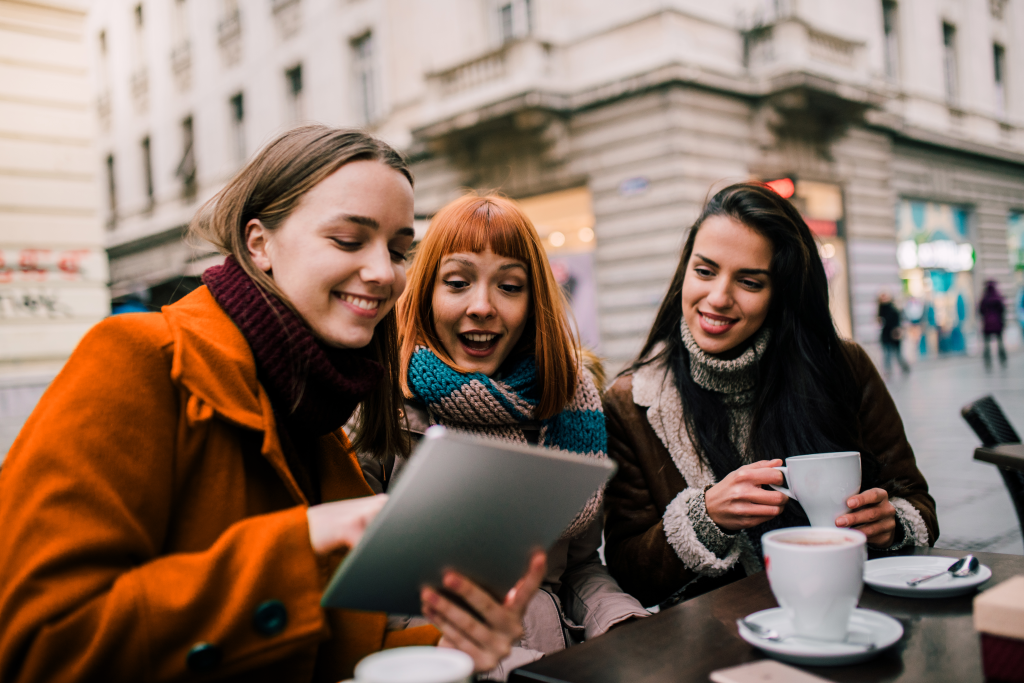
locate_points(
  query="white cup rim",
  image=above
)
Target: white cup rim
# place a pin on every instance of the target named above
(823, 456)
(461, 662)
(858, 538)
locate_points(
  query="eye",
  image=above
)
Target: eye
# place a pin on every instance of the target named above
(455, 283)
(398, 256)
(703, 271)
(511, 289)
(752, 284)
(348, 245)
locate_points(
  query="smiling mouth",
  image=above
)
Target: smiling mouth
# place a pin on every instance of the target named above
(479, 341)
(365, 303)
(717, 320)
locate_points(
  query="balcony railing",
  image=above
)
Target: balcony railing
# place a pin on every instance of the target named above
(791, 44)
(181, 58)
(140, 83)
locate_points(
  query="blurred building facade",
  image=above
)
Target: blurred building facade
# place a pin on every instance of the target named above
(53, 263)
(897, 127)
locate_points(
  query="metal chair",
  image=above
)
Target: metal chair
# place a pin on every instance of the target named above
(989, 422)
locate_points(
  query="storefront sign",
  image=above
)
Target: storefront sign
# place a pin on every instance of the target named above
(52, 265)
(938, 255)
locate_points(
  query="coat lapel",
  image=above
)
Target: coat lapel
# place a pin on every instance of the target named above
(653, 387)
(212, 362)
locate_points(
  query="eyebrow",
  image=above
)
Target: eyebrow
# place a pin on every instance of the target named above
(744, 271)
(373, 224)
(470, 264)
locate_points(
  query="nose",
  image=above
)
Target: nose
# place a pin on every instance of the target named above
(378, 267)
(720, 295)
(480, 305)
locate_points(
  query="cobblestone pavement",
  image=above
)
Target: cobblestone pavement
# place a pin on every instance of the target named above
(975, 512)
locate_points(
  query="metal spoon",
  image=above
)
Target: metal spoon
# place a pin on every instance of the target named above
(965, 566)
(773, 635)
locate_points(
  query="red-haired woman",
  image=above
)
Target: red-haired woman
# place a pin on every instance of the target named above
(487, 348)
(175, 505)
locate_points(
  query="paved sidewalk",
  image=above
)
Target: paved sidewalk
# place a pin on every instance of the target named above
(975, 512)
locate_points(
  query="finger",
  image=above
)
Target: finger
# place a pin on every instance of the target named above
(878, 533)
(760, 464)
(762, 497)
(761, 476)
(762, 512)
(523, 591)
(451, 637)
(866, 515)
(869, 497)
(455, 618)
(478, 599)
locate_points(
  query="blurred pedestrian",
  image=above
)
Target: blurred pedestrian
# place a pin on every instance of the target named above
(992, 311)
(892, 333)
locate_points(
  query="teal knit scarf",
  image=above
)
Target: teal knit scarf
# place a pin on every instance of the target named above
(478, 404)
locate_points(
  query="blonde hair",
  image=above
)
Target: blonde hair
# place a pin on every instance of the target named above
(471, 224)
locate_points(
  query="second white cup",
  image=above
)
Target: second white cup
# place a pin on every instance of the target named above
(415, 665)
(816, 576)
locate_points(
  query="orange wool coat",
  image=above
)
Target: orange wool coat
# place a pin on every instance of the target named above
(146, 508)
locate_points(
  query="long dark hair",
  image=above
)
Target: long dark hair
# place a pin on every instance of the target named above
(806, 398)
(269, 188)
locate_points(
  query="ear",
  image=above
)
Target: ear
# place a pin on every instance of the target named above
(257, 239)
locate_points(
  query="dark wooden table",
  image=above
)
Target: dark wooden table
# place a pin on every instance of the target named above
(1010, 455)
(689, 641)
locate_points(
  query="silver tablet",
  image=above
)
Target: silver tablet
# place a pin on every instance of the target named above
(477, 506)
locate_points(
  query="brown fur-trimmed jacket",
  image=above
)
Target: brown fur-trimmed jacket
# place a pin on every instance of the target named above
(651, 547)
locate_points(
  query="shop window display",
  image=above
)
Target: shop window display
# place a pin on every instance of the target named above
(936, 260)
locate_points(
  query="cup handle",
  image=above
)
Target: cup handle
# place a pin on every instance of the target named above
(783, 489)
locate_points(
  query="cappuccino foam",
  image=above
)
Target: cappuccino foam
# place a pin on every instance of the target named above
(815, 540)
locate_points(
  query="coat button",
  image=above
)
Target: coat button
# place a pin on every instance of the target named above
(270, 619)
(204, 657)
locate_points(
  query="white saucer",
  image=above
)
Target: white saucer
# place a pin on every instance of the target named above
(889, 575)
(866, 626)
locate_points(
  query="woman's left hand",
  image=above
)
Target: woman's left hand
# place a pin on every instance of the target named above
(491, 640)
(872, 513)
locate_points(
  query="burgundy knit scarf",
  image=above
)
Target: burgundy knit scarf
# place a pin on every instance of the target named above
(313, 386)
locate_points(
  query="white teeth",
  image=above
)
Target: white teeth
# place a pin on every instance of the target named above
(365, 304)
(715, 323)
(479, 337)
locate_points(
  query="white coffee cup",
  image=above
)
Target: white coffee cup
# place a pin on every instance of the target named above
(821, 483)
(415, 665)
(816, 575)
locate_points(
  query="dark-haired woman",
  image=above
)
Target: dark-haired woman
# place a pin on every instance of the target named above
(177, 501)
(743, 368)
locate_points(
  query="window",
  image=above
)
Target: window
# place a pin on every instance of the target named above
(237, 106)
(293, 82)
(999, 66)
(892, 65)
(111, 192)
(147, 168)
(514, 19)
(949, 61)
(180, 25)
(365, 77)
(187, 167)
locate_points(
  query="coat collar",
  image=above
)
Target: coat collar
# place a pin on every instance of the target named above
(654, 388)
(213, 363)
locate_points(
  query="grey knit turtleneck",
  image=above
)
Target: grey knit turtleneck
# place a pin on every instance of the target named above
(735, 382)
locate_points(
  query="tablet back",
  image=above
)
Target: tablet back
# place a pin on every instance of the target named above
(477, 506)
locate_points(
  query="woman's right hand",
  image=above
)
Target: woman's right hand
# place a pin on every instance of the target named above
(340, 524)
(738, 501)
(490, 640)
